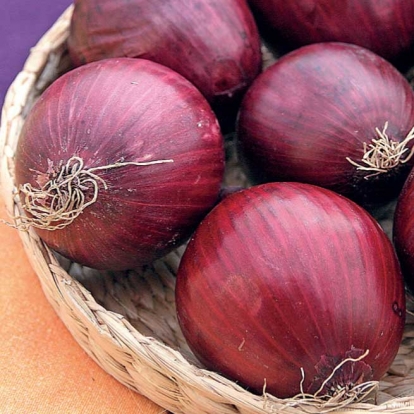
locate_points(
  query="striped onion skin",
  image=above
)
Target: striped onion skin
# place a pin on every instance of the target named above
(288, 276)
(215, 44)
(385, 27)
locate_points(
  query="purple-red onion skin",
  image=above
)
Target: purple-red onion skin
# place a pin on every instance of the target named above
(317, 106)
(126, 110)
(403, 230)
(386, 27)
(284, 276)
(215, 44)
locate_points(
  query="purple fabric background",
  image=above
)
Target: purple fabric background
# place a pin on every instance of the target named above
(22, 23)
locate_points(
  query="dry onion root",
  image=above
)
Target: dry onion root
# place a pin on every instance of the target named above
(336, 398)
(58, 202)
(383, 154)
(309, 403)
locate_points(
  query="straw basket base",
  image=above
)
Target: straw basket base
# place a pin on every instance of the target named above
(126, 321)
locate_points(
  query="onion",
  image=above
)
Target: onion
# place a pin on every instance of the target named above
(385, 27)
(215, 44)
(283, 282)
(117, 162)
(330, 114)
(403, 230)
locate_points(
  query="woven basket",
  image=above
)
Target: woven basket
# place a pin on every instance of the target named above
(126, 321)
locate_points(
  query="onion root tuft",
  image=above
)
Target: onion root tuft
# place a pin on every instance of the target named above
(64, 196)
(384, 154)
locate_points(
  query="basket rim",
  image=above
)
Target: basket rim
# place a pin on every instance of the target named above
(119, 348)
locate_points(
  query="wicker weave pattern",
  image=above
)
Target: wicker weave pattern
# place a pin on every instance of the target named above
(126, 321)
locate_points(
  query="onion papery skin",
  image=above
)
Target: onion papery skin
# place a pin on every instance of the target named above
(215, 44)
(316, 107)
(403, 230)
(284, 276)
(126, 110)
(385, 27)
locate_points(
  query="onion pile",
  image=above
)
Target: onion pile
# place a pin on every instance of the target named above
(385, 27)
(215, 44)
(330, 114)
(118, 161)
(290, 286)
(283, 282)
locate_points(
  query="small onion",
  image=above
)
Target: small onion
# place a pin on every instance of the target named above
(386, 27)
(215, 44)
(282, 283)
(79, 156)
(330, 114)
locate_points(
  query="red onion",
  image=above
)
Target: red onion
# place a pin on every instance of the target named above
(75, 162)
(215, 44)
(385, 27)
(331, 114)
(283, 282)
(403, 230)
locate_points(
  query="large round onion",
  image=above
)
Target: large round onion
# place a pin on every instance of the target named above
(331, 114)
(385, 27)
(283, 282)
(215, 44)
(78, 162)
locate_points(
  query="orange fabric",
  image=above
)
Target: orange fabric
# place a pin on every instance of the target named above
(42, 369)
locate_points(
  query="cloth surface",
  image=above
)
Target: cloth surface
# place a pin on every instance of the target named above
(42, 368)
